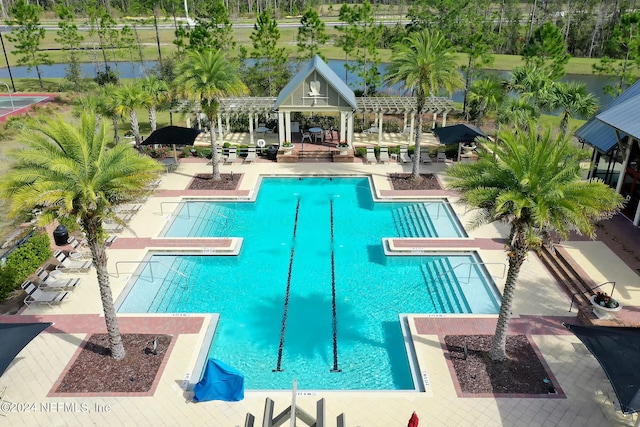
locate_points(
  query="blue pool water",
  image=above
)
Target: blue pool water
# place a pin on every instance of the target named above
(301, 302)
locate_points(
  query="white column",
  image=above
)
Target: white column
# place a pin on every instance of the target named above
(636, 219)
(226, 118)
(404, 122)
(251, 129)
(435, 119)
(287, 126)
(350, 127)
(444, 119)
(220, 127)
(281, 128)
(188, 121)
(343, 127)
(379, 120)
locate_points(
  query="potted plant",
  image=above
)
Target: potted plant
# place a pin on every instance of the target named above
(129, 134)
(604, 305)
(343, 146)
(287, 146)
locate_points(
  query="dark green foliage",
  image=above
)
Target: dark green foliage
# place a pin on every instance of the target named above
(23, 262)
(108, 76)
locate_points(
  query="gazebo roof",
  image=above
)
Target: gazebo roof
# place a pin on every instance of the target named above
(319, 66)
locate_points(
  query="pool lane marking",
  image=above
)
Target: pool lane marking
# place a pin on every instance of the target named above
(285, 310)
(334, 314)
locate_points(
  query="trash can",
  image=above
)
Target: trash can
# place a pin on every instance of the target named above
(61, 235)
(272, 153)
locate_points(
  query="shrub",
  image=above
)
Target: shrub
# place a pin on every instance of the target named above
(22, 262)
(360, 152)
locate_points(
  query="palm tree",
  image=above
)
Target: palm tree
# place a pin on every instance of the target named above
(533, 183)
(157, 90)
(68, 173)
(128, 98)
(107, 106)
(205, 77)
(572, 98)
(424, 64)
(531, 82)
(516, 111)
(486, 94)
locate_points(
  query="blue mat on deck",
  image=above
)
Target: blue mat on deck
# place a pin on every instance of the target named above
(219, 382)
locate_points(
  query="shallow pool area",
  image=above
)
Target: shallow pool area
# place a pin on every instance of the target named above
(312, 295)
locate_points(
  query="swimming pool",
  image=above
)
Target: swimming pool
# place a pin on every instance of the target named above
(312, 295)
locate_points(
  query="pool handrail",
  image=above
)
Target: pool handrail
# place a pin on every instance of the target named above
(149, 261)
(470, 264)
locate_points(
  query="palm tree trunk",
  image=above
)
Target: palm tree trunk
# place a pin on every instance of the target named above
(415, 171)
(116, 134)
(135, 126)
(214, 152)
(153, 118)
(91, 227)
(517, 255)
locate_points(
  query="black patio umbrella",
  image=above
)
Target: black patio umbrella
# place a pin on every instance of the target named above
(618, 351)
(172, 135)
(458, 133)
(14, 337)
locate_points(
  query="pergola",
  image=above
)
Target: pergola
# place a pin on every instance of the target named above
(404, 105)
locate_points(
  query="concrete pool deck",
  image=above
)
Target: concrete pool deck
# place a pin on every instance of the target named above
(539, 308)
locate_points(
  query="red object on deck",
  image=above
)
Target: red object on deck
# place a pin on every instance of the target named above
(413, 421)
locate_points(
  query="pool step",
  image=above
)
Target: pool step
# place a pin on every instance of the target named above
(213, 221)
(414, 221)
(174, 284)
(444, 287)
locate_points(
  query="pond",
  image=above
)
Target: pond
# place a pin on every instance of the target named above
(594, 83)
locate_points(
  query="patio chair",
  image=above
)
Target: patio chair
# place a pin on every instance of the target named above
(404, 155)
(35, 295)
(251, 154)
(371, 155)
(318, 137)
(441, 157)
(307, 136)
(55, 283)
(232, 156)
(67, 265)
(384, 154)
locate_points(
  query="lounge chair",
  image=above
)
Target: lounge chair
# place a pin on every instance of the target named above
(35, 295)
(371, 155)
(251, 154)
(404, 155)
(113, 228)
(54, 283)
(424, 155)
(441, 157)
(384, 154)
(67, 265)
(128, 209)
(232, 156)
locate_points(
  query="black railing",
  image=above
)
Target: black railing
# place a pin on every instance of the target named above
(573, 296)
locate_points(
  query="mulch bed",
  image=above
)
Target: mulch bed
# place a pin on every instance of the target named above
(94, 371)
(403, 181)
(522, 372)
(205, 181)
